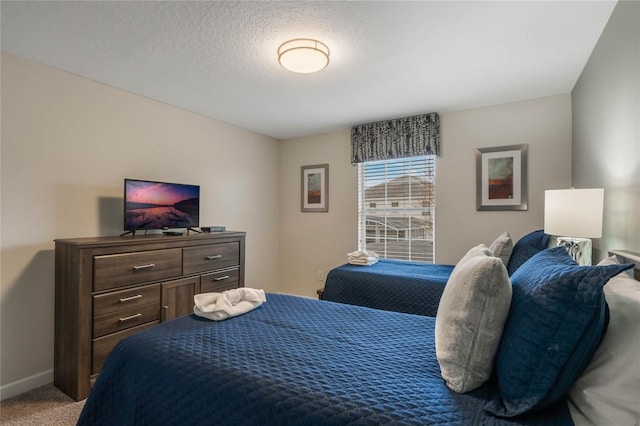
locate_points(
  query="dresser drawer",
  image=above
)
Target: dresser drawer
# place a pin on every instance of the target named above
(125, 299)
(209, 257)
(102, 347)
(219, 281)
(121, 320)
(117, 270)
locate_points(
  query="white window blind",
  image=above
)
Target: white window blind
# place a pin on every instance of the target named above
(396, 206)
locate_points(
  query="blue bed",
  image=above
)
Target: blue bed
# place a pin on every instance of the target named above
(292, 361)
(394, 285)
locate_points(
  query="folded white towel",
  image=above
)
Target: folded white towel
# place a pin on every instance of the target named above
(230, 303)
(362, 254)
(363, 257)
(365, 262)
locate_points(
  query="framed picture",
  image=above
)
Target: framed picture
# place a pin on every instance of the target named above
(315, 188)
(501, 178)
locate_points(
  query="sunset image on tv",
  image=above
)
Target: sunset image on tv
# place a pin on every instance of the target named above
(157, 205)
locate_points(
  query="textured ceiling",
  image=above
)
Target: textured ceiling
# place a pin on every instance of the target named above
(388, 58)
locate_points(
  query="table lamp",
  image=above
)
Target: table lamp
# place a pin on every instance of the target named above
(574, 216)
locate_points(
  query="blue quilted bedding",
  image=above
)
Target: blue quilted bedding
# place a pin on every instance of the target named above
(292, 361)
(392, 285)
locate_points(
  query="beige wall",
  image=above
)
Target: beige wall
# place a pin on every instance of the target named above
(606, 129)
(312, 242)
(543, 124)
(67, 145)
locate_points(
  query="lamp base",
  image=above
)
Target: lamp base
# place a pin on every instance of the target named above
(578, 248)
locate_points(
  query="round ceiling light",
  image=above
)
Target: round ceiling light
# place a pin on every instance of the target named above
(303, 55)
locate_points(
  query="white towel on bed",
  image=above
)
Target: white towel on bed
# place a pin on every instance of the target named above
(230, 303)
(363, 257)
(368, 261)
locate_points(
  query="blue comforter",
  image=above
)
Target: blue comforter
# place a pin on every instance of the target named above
(393, 285)
(292, 361)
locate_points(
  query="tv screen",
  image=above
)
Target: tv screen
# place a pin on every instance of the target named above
(160, 205)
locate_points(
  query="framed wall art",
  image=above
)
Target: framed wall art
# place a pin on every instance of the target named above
(501, 178)
(315, 188)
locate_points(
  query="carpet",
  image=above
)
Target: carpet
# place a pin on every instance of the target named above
(46, 405)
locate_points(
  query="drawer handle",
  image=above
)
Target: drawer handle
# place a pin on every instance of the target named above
(212, 257)
(130, 317)
(147, 266)
(130, 298)
(221, 278)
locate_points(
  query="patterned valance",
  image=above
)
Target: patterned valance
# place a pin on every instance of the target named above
(400, 138)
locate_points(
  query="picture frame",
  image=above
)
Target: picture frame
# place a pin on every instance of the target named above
(315, 188)
(501, 178)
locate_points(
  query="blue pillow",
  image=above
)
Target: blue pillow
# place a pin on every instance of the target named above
(557, 318)
(532, 243)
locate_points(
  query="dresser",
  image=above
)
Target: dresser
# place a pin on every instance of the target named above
(108, 288)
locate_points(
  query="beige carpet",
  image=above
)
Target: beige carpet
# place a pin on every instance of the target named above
(46, 405)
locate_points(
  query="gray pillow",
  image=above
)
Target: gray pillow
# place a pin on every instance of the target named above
(471, 315)
(502, 247)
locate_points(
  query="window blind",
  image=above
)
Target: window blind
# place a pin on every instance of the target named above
(396, 208)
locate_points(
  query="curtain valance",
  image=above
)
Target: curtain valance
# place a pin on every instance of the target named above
(399, 138)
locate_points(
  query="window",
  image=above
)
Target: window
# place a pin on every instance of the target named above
(400, 195)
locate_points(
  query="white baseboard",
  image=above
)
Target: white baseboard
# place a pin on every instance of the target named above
(24, 385)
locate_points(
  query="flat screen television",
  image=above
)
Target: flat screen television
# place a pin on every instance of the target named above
(160, 205)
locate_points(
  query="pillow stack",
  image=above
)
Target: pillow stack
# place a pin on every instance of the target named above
(539, 330)
(557, 318)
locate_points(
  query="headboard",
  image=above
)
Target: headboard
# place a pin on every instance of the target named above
(626, 256)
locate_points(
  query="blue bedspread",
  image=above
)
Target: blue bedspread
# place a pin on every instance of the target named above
(392, 285)
(292, 361)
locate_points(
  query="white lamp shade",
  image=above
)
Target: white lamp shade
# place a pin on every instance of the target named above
(574, 212)
(303, 55)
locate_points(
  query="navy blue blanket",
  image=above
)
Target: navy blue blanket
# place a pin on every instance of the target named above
(292, 361)
(392, 285)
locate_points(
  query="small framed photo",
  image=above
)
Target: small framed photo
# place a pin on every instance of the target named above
(315, 188)
(501, 178)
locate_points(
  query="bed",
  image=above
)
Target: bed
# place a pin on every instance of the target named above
(291, 361)
(393, 285)
(300, 361)
(413, 287)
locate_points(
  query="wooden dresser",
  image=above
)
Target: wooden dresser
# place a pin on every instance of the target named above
(108, 288)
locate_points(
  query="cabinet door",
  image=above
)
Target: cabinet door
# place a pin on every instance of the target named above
(177, 297)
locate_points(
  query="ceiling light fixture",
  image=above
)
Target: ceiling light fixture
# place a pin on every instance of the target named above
(303, 55)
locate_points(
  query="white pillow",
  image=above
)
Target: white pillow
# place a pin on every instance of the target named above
(502, 247)
(608, 392)
(471, 315)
